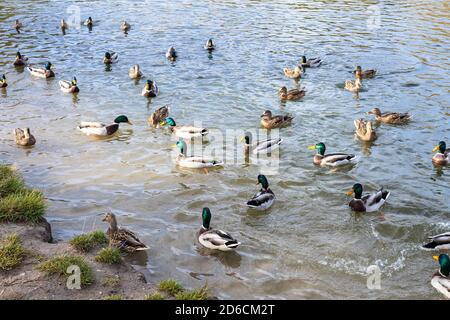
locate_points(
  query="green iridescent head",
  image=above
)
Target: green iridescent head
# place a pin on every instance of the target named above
(442, 147)
(303, 59)
(48, 65)
(181, 145)
(263, 181)
(320, 147)
(206, 217)
(18, 55)
(170, 122)
(444, 264)
(122, 119)
(107, 55)
(357, 190)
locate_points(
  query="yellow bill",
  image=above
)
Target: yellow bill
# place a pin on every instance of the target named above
(129, 122)
(436, 148)
(436, 258)
(349, 193)
(311, 147)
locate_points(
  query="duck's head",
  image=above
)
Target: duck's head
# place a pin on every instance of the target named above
(107, 55)
(441, 147)
(444, 264)
(122, 119)
(206, 217)
(148, 84)
(375, 111)
(263, 181)
(18, 55)
(181, 145)
(109, 217)
(246, 138)
(358, 68)
(209, 43)
(48, 65)
(320, 147)
(74, 81)
(3, 79)
(89, 20)
(282, 90)
(357, 190)
(169, 121)
(358, 74)
(267, 114)
(303, 59)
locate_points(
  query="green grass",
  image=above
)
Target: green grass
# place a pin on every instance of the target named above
(113, 297)
(109, 255)
(197, 294)
(58, 266)
(170, 286)
(10, 181)
(154, 296)
(85, 242)
(11, 252)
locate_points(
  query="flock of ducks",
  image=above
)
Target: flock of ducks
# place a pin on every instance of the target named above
(215, 239)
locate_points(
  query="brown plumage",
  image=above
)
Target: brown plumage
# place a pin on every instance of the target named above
(23, 137)
(269, 122)
(364, 130)
(390, 117)
(295, 73)
(366, 74)
(293, 94)
(158, 116)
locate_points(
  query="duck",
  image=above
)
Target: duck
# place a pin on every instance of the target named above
(150, 89)
(69, 86)
(213, 238)
(390, 117)
(42, 73)
(269, 121)
(310, 63)
(17, 25)
(3, 83)
(135, 72)
(264, 199)
(122, 238)
(63, 24)
(185, 132)
(438, 242)
(20, 60)
(295, 73)
(171, 54)
(366, 74)
(261, 147)
(442, 157)
(89, 22)
(354, 86)
(110, 57)
(194, 162)
(101, 129)
(158, 116)
(441, 278)
(368, 202)
(332, 159)
(364, 130)
(293, 94)
(23, 137)
(210, 46)
(125, 26)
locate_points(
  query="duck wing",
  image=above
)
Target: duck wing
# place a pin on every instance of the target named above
(438, 241)
(442, 285)
(263, 199)
(337, 158)
(266, 145)
(217, 239)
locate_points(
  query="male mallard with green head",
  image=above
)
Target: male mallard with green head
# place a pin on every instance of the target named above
(269, 121)
(122, 238)
(194, 162)
(46, 73)
(3, 83)
(293, 94)
(20, 60)
(310, 63)
(171, 54)
(150, 89)
(390, 117)
(332, 159)
(110, 57)
(209, 45)
(368, 202)
(261, 147)
(441, 279)
(185, 132)
(264, 199)
(69, 86)
(442, 157)
(213, 238)
(101, 129)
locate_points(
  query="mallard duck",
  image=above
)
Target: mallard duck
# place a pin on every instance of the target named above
(293, 94)
(332, 159)
(368, 202)
(310, 63)
(209, 45)
(366, 74)
(18, 25)
(194, 162)
(438, 242)
(125, 26)
(63, 24)
(270, 122)
(354, 86)
(101, 129)
(89, 22)
(20, 60)
(23, 137)
(213, 238)
(441, 278)
(364, 130)
(3, 83)
(42, 73)
(110, 57)
(261, 147)
(443, 156)
(295, 73)
(150, 89)
(171, 54)
(390, 117)
(69, 86)
(135, 72)
(264, 199)
(122, 238)
(159, 116)
(185, 132)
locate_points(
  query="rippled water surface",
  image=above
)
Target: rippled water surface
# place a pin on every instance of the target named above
(308, 245)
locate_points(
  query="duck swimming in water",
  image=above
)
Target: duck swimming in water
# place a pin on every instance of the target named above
(332, 159)
(42, 73)
(390, 117)
(442, 157)
(366, 74)
(20, 60)
(3, 83)
(369, 202)
(110, 57)
(293, 94)
(213, 238)
(69, 86)
(23, 137)
(264, 199)
(158, 116)
(310, 63)
(171, 54)
(185, 132)
(209, 45)
(269, 121)
(150, 89)
(101, 129)
(441, 278)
